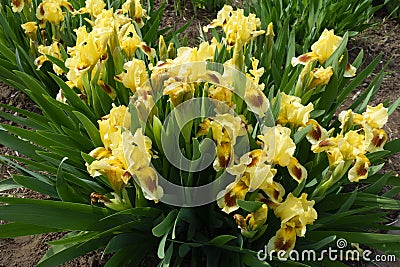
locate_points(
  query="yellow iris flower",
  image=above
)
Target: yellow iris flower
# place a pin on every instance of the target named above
(304, 59)
(258, 218)
(178, 92)
(279, 149)
(137, 155)
(360, 134)
(124, 155)
(255, 71)
(327, 43)
(297, 210)
(135, 11)
(320, 76)
(253, 164)
(93, 7)
(110, 128)
(51, 50)
(321, 50)
(18, 5)
(295, 213)
(226, 128)
(50, 10)
(352, 145)
(234, 191)
(335, 157)
(130, 41)
(371, 122)
(225, 155)
(238, 28)
(277, 145)
(296, 170)
(112, 168)
(284, 239)
(145, 105)
(350, 71)
(293, 112)
(360, 169)
(89, 49)
(275, 191)
(311, 78)
(30, 29)
(376, 138)
(222, 94)
(376, 116)
(316, 133)
(135, 74)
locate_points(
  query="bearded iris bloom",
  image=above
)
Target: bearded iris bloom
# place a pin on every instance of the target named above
(280, 148)
(178, 92)
(327, 43)
(321, 50)
(316, 133)
(221, 94)
(360, 169)
(234, 191)
(253, 164)
(320, 76)
(124, 155)
(292, 112)
(238, 28)
(137, 154)
(351, 145)
(376, 116)
(277, 145)
(112, 168)
(30, 29)
(226, 128)
(135, 10)
(51, 50)
(50, 10)
(376, 138)
(295, 214)
(135, 74)
(93, 7)
(262, 197)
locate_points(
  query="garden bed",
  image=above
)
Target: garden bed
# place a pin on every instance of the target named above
(382, 38)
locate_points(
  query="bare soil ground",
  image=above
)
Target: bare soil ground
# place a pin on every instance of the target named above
(382, 38)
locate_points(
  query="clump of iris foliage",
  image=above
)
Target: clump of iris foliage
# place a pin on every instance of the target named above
(106, 78)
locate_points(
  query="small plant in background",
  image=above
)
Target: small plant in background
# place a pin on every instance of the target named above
(307, 19)
(201, 155)
(393, 8)
(210, 6)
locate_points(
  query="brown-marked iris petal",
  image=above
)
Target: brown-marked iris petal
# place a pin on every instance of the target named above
(284, 239)
(236, 190)
(360, 169)
(296, 170)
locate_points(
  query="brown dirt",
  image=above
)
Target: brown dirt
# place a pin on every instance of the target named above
(382, 38)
